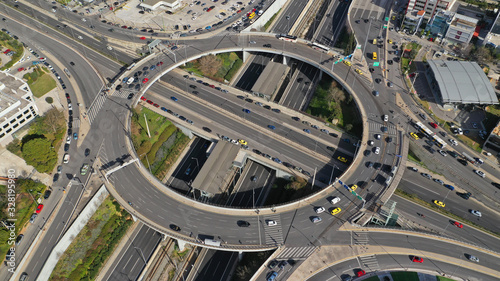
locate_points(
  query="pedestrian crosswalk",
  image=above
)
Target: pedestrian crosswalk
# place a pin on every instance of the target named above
(360, 238)
(123, 93)
(96, 106)
(370, 262)
(377, 128)
(273, 233)
(296, 253)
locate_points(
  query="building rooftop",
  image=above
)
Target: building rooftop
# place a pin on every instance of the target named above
(12, 90)
(464, 21)
(462, 82)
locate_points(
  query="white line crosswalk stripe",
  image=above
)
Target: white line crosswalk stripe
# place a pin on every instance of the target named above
(274, 233)
(297, 252)
(370, 262)
(95, 107)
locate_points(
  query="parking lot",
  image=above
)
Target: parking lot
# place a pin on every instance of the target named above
(193, 16)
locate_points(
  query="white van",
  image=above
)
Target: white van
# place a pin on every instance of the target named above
(66, 158)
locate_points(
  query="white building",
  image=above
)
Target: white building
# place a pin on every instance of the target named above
(461, 29)
(413, 19)
(17, 106)
(154, 4)
(430, 7)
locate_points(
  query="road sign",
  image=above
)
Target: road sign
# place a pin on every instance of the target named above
(376, 63)
(341, 182)
(386, 18)
(346, 187)
(385, 26)
(358, 46)
(354, 193)
(360, 198)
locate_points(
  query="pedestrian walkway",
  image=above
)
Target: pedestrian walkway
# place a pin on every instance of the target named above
(96, 106)
(376, 127)
(369, 262)
(273, 233)
(296, 253)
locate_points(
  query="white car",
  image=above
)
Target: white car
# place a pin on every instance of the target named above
(476, 213)
(386, 118)
(473, 258)
(377, 136)
(70, 107)
(66, 158)
(130, 80)
(84, 20)
(442, 152)
(335, 200)
(68, 140)
(271, 222)
(480, 161)
(480, 173)
(319, 210)
(109, 48)
(377, 150)
(80, 37)
(316, 219)
(453, 142)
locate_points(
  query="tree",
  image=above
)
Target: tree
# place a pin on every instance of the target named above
(482, 55)
(54, 120)
(209, 64)
(49, 100)
(40, 154)
(348, 127)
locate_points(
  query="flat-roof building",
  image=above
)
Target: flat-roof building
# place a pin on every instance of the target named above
(429, 6)
(461, 29)
(154, 4)
(461, 82)
(17, 106)
(413, 19)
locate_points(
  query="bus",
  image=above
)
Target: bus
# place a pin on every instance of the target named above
(287, 37)
(320, 47)
(439, 142)
(423, 129)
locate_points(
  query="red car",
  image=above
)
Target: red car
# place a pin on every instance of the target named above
(156, 105)
(212, 86)
(457, 224)
(39, 208)
(20, 69)
(125, 27)
(145, 80)
(143, 38)
(360, 273)
(149, 101)
(434, 125)
(6, 51)
(417, 259)
(143, 98)
(160, 63)
(239, 11)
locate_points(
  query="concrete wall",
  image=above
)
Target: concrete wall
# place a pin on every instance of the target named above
(72, 232)
(266, 16)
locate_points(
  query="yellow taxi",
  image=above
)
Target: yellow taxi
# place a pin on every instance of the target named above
(335, 211)
(439, 203)
(390, 41)
(243, 142)
(348, 63)
(413, 135)
(354, 187)
(359, 72)
(393, 17)
(342, 159)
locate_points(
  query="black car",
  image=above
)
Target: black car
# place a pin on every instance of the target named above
(465, 195)
(241, 97)
(463, 162)
(138, 87)
(118, 87)
(19, 239)
(243, 224)
(192, 86)
(72, 63)
(267, 45)
(267, 107)
(276, 110)
(56, 177)
(175, 227)
(206, 129)
(497, 185)
(130, 96)
(87, 152)
(47, 194)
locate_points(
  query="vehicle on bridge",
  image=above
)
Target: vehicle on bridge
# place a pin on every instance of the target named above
(287, 37)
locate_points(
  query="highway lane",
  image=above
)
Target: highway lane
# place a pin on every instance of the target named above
(236, 105)
(137, 254)
(429, 191)
(255, 136)
(399, 262)
(332, 23)
(299, 89)
(289, 16)
(250, 193)
(254, 68)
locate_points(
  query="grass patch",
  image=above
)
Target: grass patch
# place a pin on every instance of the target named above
(230, 63)
(93, 245)
(270, 21)
(430, 205)
(249, 265)
(160, 151)
(472, 141)
(413, 157)
(39, 82)
(335, 106)
(404, 276)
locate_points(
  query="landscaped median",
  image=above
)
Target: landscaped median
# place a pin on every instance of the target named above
(90, 249)
(159, 152)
